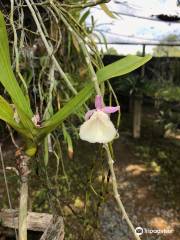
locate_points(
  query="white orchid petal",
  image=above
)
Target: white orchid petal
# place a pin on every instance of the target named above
(98, 129)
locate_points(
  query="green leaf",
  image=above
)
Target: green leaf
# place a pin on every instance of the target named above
(7, 115)
(84, 16)
(11, 85)
(4, 38)
(6, 112)
(68, 140)
(27, 123)
(46, 152)
(121, 67)
(7, 77)
(118, 68)
(105, 8)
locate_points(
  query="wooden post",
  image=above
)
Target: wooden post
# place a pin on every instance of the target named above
(137, 108)
(131, 104)
(22, 166)
(137, 117)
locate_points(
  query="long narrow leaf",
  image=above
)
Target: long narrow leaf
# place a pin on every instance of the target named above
(7, 77)
(7, 115)
(105, 8)
(118, 68)
(122, 66)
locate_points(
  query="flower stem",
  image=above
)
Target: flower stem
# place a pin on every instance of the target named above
(116, 194)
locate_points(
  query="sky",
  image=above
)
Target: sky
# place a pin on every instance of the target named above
(126, 28)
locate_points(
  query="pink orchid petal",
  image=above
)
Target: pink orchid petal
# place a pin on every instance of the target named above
(111, 109)
(99, 102)
(89, 114)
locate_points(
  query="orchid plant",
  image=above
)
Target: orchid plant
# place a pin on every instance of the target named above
(97, 128)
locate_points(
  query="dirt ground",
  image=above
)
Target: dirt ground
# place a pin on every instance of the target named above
(145, 203)
(147, 171)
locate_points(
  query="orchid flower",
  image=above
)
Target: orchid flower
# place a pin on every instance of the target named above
(98, 128)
